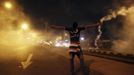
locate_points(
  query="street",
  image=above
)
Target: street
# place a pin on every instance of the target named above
(55, 61)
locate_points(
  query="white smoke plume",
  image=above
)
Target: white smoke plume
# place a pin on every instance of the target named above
(125, 44)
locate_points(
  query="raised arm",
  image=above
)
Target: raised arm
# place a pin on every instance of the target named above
(92, 25)
(57, 27)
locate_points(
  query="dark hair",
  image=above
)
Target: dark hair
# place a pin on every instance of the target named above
(75, 25)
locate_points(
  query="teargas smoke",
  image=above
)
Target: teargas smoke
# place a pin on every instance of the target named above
(122, 11)
(16, 34)
(125, 44)
(98, 36)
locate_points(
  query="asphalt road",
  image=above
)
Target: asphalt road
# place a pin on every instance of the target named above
(51, 61)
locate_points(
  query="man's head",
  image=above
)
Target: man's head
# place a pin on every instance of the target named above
(75, 25)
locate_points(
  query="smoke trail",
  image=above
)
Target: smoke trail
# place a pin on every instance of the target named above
(122, 11)
(98, 36)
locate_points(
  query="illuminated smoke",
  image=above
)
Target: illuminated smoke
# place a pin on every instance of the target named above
(125, 44)
(122, 11)
(16, 32)
(98, 36)
(60, 42)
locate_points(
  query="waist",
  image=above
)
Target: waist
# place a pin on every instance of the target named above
(74, 49)
(74, 42)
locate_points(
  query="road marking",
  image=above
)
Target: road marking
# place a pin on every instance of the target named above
(28, 62)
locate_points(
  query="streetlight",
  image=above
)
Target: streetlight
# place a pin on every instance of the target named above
(24, 26)
(8, 5)
(82, 38)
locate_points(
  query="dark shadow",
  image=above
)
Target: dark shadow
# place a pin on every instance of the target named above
(88, 70)
(95, 72)
(78, 70)
(92, 71)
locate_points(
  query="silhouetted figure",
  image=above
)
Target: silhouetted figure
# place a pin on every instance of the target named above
(75, 48)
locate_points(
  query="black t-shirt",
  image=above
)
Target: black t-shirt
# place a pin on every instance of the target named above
(74, 34)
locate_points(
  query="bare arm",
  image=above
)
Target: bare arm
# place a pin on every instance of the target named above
(57, 27)
(92, 25)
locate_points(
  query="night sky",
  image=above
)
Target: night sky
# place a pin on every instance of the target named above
(66, 11)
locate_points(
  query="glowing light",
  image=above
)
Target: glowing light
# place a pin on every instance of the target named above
(66, 40)
(66, 34)
(82, 38)
(8, 5)
(24, 26)
(44, 43)
(62, 44)
(66, 44)
(58, 45)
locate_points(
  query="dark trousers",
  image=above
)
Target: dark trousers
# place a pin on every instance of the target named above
(79, 54)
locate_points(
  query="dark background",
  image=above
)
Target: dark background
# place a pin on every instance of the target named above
(65, 12)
